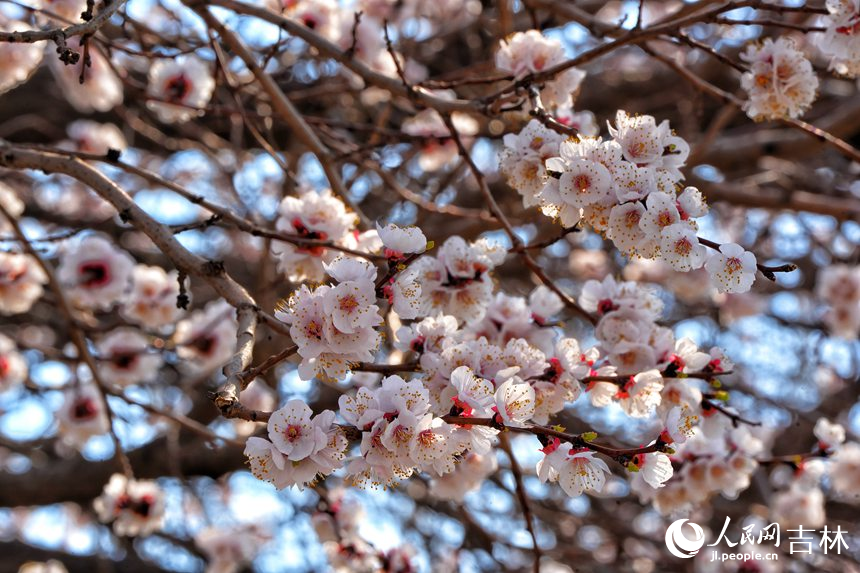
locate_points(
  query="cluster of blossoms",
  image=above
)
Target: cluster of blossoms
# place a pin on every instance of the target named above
(334, 326)
(300, 447)
(455, 282)
(177, 88)
(316, 217)
(631, 341)
(337, 523)
(531, 52)
(841, 41)
(98, 276)
(399, 434)
(838, 286)
(515, 337)
(229, 550)
(508, 367)
(134, 507)
(800, 499)
(780, 81)
(626, 188)
(717, 458)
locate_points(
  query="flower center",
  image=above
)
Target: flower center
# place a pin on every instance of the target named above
(850, 29)
(9, 276)
(665, 219)
(426, 438)
(314, 329)
(606, 305)
(637, 149)
(177, 88)
(348, 303)
(293, 432)
(84, 409)
(683, 247)
(124, 359)
(94, 274)
(733, 265)
(582, 182)
(309, 21)
(303, 231)
(402, 435)
(631, 219)
(204, 344)
(141, 506)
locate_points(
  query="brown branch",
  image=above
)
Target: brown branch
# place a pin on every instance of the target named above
(635, 36)
(284, 107)
(184, 260)
(708, 404)
(386, 368)
(623, 378)
(330, 50)
(620, 454)
(769, 22)
(249, 374)
(539, 112)
(842, 146)
(84, 29)
(522, 496)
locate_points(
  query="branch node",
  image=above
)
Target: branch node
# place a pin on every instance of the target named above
(213, 268)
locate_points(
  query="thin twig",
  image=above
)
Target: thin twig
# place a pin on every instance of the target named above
(522, 496)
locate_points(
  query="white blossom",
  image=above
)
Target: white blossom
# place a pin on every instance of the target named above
(780, 83)
(135, 507)
(732, 269)
(399, 241)
(179, 88)
(124, 358)
(96, 273)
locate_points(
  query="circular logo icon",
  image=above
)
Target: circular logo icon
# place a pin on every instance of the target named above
(678, 544)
